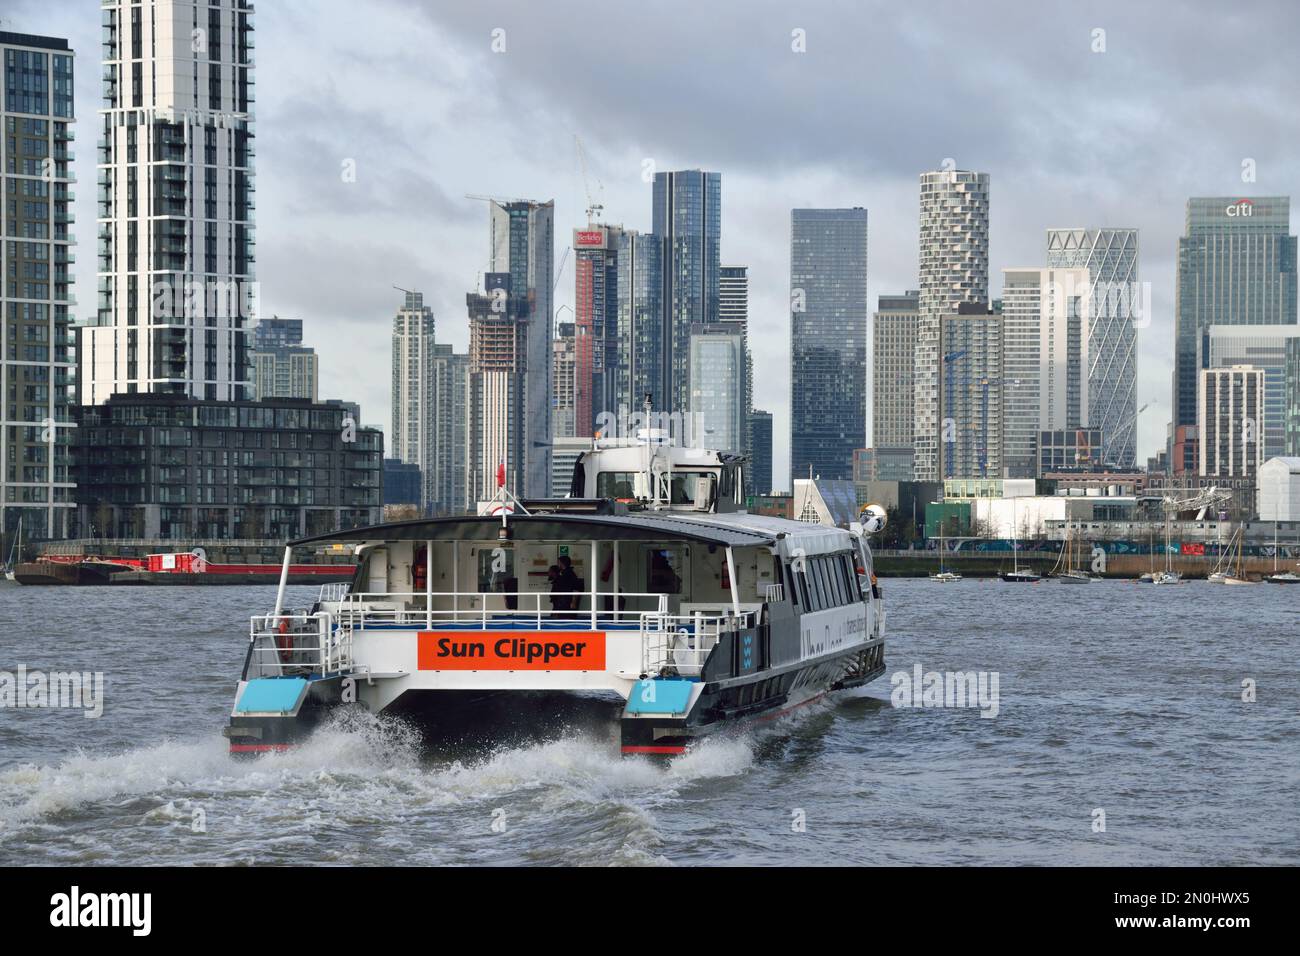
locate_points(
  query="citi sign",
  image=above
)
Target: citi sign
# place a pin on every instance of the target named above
(1241, 208)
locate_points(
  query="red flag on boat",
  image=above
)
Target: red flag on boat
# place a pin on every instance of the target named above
(501, 475)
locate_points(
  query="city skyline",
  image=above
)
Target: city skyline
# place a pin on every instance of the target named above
(401, 219)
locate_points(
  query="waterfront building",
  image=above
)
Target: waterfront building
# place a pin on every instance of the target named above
(1236, 266)
(760, 452)
(280, 365)
(1116, 309)
(522, 238)
(1232, 423)
(498, 406)
(595, 311)
(717, 370)
(1046, 324)
(176, 267)
(971, 392)
(1264, 347)
(893, 371)
(828, 340)
(954, 269)
(412, 436)
(686, 219)
(1279, 489)
(175, 467)
(402, 484)
(37, 368)
(642, 367)
(564, 381)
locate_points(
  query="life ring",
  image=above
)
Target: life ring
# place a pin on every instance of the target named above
(284, 640)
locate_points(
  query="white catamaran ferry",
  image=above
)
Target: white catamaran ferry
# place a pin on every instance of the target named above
(694, 612)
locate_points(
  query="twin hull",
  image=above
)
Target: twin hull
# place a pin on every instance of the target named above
(751, 672)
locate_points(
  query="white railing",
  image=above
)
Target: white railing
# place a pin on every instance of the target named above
(294, 643)
(774, 593)
(298, 643)
(362, 610)
(333, 592)
(681, 643)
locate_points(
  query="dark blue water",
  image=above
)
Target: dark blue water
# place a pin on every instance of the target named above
(1116, 697)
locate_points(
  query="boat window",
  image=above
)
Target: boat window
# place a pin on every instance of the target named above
(790, 587)
(616, 484)
(578, 486)
(850, 578)
(726, 486)
(832, 583)
(496, 570)
(818, 575)
(664, 571)
(688, 485)
(837, 583)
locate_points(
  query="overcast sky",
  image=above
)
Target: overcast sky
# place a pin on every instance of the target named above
(415, 95)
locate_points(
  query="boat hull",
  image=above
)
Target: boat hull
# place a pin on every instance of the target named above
(743, 702)
(1020, 577)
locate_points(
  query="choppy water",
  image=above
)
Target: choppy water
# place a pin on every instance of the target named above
(1113, 696)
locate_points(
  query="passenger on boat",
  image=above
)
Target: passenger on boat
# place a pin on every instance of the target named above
(568, 583)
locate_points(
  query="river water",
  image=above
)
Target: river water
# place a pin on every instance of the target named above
(1118, 704)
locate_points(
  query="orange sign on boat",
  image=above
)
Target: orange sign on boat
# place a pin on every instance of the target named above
(511, 651)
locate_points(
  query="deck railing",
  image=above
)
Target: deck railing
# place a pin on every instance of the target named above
(362, 610)
(298, 643)
(680, 643)
(321, 643)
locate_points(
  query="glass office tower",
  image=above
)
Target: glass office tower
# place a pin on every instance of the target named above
(686, 218)
(1236, 266)
(828, 340)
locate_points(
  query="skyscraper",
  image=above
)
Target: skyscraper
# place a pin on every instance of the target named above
(564, 381)
(36, 369)
(893, 370)
(1115, 310)
(176, 277)
(954, 268)
(498, 407)
(595, 312)
(1045, 360)
(641, 368)
(828, 340)
(760, 451)
(971, 392)
(733, 309)
(522, 246)
(1236, 266)
(1264, 347)
(412, 435)
(1232, 418)
(717, 370)
(450, 482)
(280, 365)
(686, 218)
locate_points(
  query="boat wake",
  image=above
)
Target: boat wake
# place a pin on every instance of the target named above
(361, 790)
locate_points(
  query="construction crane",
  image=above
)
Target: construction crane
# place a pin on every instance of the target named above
(564, 257)
(594, 208)
(502, 199)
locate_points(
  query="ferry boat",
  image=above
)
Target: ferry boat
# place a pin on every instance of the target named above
(695, 613)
